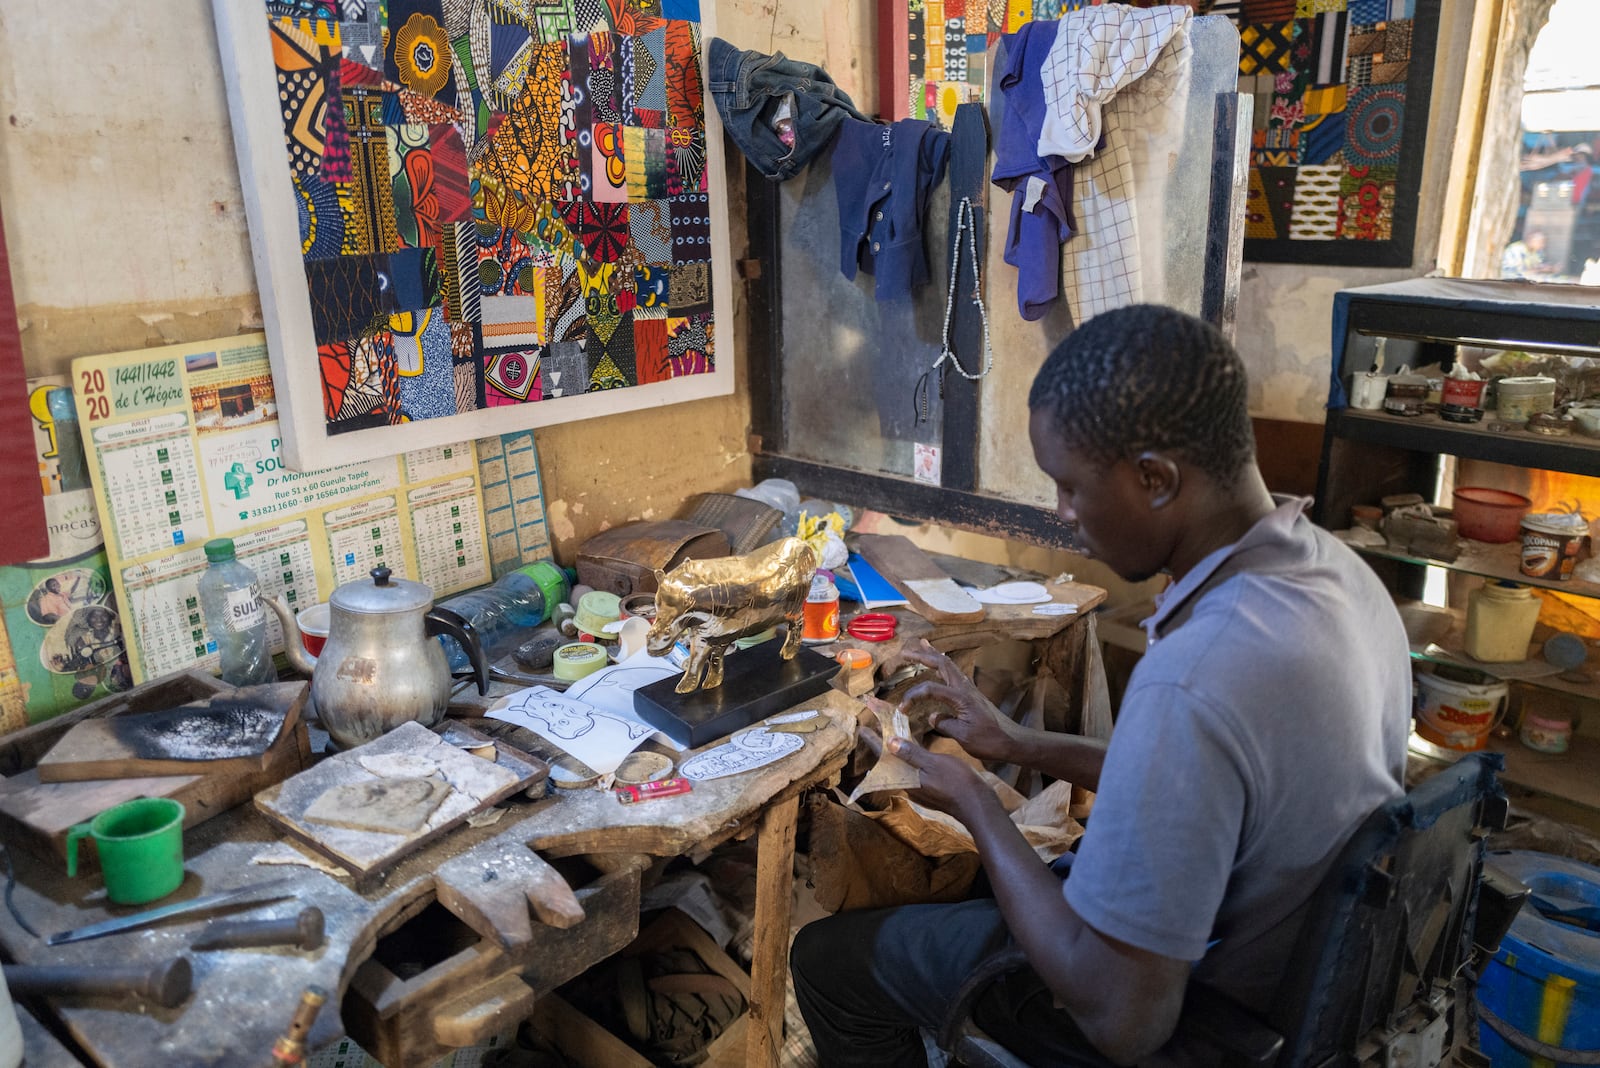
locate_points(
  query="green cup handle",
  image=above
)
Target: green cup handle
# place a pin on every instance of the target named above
(77, 833)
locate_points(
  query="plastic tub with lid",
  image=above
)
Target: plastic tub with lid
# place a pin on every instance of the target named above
(1545, 980)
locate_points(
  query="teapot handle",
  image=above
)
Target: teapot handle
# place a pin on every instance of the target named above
(444, 621)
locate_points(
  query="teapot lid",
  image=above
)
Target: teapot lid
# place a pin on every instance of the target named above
(382, 595)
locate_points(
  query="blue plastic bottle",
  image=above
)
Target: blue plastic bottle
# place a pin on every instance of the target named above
(504, 610)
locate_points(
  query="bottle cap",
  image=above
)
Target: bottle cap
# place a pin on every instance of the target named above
(218, 549)
(552, 582)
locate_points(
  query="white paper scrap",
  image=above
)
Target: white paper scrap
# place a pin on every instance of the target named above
(611, 688)
(1012, 593)
(599, 739)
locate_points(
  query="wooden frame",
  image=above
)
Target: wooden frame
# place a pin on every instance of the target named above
(956, 501)
(1403, 189)
(271, 208)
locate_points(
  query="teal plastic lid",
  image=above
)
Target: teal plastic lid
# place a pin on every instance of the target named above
(218, 549)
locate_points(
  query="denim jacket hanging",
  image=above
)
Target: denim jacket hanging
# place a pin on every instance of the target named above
(752, 90)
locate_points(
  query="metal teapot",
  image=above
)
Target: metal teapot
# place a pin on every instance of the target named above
(381, 666)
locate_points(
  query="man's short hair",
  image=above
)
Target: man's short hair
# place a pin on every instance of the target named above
(1148, 377)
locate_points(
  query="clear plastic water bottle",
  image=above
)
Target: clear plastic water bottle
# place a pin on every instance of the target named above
(230, 597)
(502, 611)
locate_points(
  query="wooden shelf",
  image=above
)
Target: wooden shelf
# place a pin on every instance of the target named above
(1450, 649)
(1490, 561)
(1572, 776)
(1573, 453)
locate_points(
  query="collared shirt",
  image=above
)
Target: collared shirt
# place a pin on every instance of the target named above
(883, 177)
(1041, 186)
(1267, 720)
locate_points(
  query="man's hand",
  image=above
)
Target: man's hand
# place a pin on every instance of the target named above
(949, 783)
(970, 718)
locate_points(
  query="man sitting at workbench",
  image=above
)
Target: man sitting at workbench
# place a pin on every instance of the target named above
(1266, 720)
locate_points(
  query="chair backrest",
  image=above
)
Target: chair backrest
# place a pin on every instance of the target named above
(1393, 914)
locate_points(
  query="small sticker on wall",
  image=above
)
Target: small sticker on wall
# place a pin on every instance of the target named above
(925, 463)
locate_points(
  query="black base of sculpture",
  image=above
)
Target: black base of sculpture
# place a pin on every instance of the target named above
(756, 683)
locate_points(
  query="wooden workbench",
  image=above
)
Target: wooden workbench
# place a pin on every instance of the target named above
(487, 968)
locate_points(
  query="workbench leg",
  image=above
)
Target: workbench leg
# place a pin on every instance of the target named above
(769, 959)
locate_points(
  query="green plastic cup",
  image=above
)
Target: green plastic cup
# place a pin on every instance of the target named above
(140, 844)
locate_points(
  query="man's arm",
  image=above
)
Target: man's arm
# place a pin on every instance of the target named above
(1125, 1000)
(982, 731)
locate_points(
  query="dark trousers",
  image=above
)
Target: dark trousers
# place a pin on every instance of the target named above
(866, 981)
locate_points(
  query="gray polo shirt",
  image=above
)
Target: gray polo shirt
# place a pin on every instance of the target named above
(1267, 719)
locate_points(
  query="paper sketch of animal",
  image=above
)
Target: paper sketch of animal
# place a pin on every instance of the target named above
(566, 720)
(741, 755)
(717, 602)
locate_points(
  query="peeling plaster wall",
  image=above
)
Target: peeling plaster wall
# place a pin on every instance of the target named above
(126, 228)
(1286, 310)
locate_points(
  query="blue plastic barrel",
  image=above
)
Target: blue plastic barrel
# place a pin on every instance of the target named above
(1545, 981)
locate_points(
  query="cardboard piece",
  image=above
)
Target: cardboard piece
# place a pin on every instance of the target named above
(931, 593)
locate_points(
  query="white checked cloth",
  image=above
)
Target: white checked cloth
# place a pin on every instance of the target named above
(1098, 51)
(1140, 61)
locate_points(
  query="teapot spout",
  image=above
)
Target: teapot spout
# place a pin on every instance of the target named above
(293, 647)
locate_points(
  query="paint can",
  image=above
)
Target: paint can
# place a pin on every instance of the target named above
(1458, 715)
(822, 612)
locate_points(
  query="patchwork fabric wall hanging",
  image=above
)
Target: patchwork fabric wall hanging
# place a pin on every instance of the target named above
(477, 216)
(1341, 93)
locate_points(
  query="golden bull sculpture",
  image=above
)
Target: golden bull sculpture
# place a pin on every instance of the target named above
(717, 602)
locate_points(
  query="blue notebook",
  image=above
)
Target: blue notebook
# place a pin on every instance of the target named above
(867, 586)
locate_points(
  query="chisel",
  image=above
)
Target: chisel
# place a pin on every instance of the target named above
(177, 908)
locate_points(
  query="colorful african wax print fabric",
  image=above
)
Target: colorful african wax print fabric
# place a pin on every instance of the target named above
(499, 201)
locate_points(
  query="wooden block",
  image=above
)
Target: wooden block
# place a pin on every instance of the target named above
(477, 784)
(491, 887)
(583, 1041)
(933, 594)
(769, 954)
(22, 749)
(38, 814)
(171, 741)
(479, 1013)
